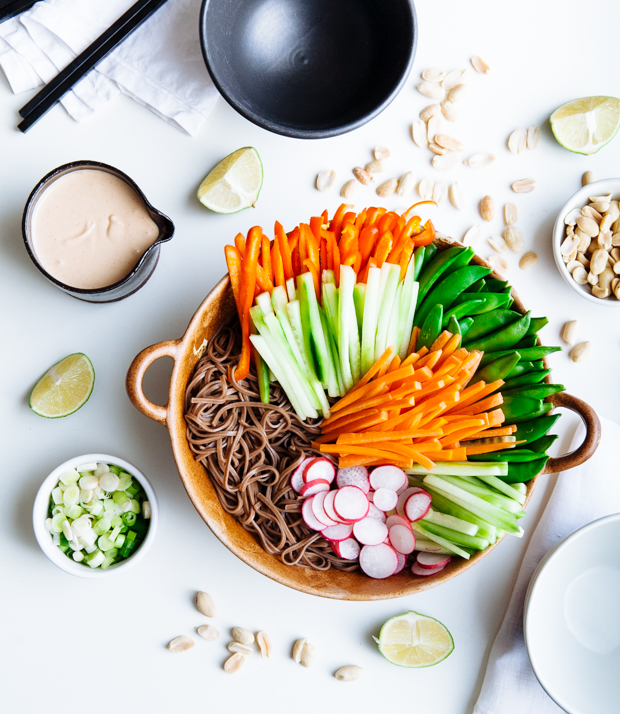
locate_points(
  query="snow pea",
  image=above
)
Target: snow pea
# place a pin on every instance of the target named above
(545, 442)
(510, 455)
(534, 429)
(504, 338)
(463, 259)
(418, 260)
(524, 368)
(536, 324)
(490, 321)
(453, 326)
(494, 286)
(476, 287)
(430, 251)
(465, 325)
(541, 411)
(462, 310)
(535, 391)
(497, 369)
(527, 341)
(437, 267)
(431, 328)
(519, 473)
(530, 378)
(516, 406)
(528, 354)
(446, 291)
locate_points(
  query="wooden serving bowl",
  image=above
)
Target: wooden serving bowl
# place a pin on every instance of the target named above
(216, 310)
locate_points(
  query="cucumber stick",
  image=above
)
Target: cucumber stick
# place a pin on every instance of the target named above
(371, 314)
(359, 296)
(408, 303)
(460, 468)
(392, 273)
(346, 314)
(448, 521)
(456, 536)
(394, 328)
(419, 529)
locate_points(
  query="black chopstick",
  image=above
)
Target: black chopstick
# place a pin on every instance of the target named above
(44, 100)
(14, 7)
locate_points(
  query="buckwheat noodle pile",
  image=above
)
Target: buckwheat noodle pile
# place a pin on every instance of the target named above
(250, 449)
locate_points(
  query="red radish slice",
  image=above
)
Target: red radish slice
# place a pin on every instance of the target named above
(351, 504)
(370, 531)
(402, 561)
(378, 561)
(353, 476)
(297, 479)
(402, 539)
(417, 505)
(425, 572)
(402, 488)
(348, 549)
(328, 505)
(337, 533)
(319, 468)
(371, 495)
(384, 499)
(319, 510)
(388, 477)
(312, 487)
(400, 520)
(431, 561)
(311, 520)
(374, 512)
(404, 495)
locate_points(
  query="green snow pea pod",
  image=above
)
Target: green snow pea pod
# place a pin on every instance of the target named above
(543, 444)
(454, 326)
(536, 324)
(446, 291)
(519, 473)
(490, 321)
(431, 329)
(510, 455)
(530, 378)
(462, 310)
(529, 354)
(524, 368)
(497, 369)
(534, 429)
(516, 406)
(544, 408)
(476, 287)
(494, 285)
(527, 341)
(437, 267)
(504, 338)
(465, 325)
(430, 251)
(535, 391)
(418, 260)
(492, 301)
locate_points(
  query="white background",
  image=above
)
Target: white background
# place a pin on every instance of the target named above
(69, 643)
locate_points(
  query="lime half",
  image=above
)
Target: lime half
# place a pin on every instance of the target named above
(585, 125)
(414, 640)
(234, 184)
(64, 388)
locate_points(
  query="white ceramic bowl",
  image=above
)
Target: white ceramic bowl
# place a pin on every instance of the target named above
(53, 552)
(579, 200)
(572, 620)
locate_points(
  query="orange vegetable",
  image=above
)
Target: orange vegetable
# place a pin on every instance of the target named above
(495, 400)
(489, 448)
(246, 298)
(234, 263)
(368, 436)
(346, 420)
(367, 240)
(489, 433)
(383, 248)
(240, 244)
(276, 262)
(285, 253)
(336, 223)
(357, 424)
(415, 334)
(263, 280)
(266, 257)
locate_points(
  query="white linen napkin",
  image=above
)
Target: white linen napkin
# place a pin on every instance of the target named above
(580, 496)
(160, 65)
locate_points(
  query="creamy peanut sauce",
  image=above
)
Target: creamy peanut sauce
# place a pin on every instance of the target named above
(89, 229)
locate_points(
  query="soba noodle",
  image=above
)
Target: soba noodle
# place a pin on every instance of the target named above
(249, 450)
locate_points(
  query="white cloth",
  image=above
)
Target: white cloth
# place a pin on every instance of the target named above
(581, 495)
(160, 65)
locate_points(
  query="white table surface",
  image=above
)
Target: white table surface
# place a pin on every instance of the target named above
(100, 646)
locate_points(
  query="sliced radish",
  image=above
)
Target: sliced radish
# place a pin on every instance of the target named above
(431, 561)
(351, 503)
(425, 572)
(378, 561)
(388, 477)
(402, 539)
(403, 487)
(308, 515)
(319, 468)
(370, 531)
(348, 549)
(374, 512)
(371, 495)
(297, 479)
(337, 533)
(385, 499)
(393, 520)
(353, 476)
(328, 505)
(402, 561)
(319, 510)
(417, 505)
(312, 487)
(403, 496)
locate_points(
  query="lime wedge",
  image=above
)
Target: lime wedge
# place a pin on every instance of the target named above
(414, 640)
(234, 184)
(585, 125)
(64, 388)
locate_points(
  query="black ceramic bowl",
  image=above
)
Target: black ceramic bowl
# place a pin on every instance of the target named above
(143, 269)
(308, 68)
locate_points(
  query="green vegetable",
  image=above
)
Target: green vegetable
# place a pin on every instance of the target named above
(371, 315)
(534, 429)
(527, 341)
(497, 369)
(509, 456)
(517, 408)
(465, 325)
(527, 354)
(418, 260)
(519, 473)
(465, 308)
(543, 444)
(476, 287)
(495, 286)
(454, 536)
(502, 339)
(432, 327)
(527, 378)
(491, 321)
(435, 268)
(430, 251)
(454, 326)
(535, 391)
(491, 301)
(536, 324)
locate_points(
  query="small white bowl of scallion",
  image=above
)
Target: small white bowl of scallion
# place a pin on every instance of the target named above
(95, 515)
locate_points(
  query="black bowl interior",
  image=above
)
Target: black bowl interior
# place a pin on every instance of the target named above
(308, 68)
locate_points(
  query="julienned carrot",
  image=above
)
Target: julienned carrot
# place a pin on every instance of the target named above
(395, 364)
(383, 248)
(450, 348)
(454, 426)
(234, 263)
(371, 436)
(441, 341)
(345, 420)
(490, 448)
(457, 435)
(472, 394)
(431, 359)
(458, 454)
(423, 374)
(285, 252)
(370, 422)
(405, 257)
(429, 417)
(263, 280)
(246, 298)
(240, 244)
(351, 449)
(496, 417)
(490, 433)
(495, 400)
(362, 392)
(276, 265)
(415, 334)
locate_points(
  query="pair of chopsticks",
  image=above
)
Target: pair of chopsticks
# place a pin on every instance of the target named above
(44, 100)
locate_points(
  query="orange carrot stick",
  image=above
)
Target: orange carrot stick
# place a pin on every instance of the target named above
(383, 248)
(234, 263)
(263, 280)
(496, 417)
(490, 448)
(431, 359)
(441, 341)
(490, 433)
(415, 334)
(368, 436)
(285, 252)
(240, 244)
(356, 425)
(484, 405)
(344, 421)
(450, 348)
(276, 263)
(248, 285)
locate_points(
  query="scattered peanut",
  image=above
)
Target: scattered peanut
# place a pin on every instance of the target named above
(208, 632)
(527, 260)
(449, 110)
(205, 604)
(487, 208)
(452, 79)
(510, 214)
(473, 235)
(362, 175)
(517, 141)
(234, 663)
(498, 244)
(380, 153)
(524, 185)
(445, 163)
(533, 137)
(433, 126)
(440, 192)
(580, 351)
(418, 133)
(498, 263)
(180, 644)
(588, 177)
(514, 238)
(348, 673)
(406, 184)
(349, 188)
(297, 649)
(375, 166)
(308, 655)
(457, 199)
(433, 75)
(325, 180)
(430, 111)
(480, 65)
(448, 142)
(387, 188)
(569, 332)
(479, 161)
(240, 648)
(431, 90)
(425, 189)
(242, 635)
(264, 644)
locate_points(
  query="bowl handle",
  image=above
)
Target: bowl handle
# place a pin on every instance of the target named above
(592, 438)
(136, 373)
